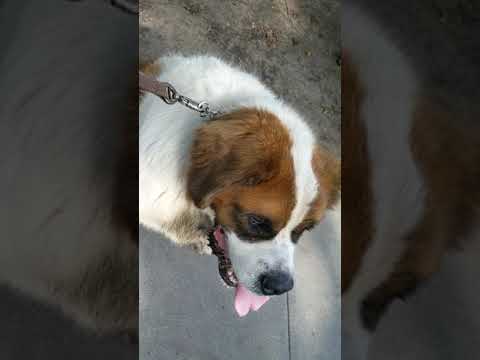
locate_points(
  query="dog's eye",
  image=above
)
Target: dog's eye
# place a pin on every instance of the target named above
(259, 225)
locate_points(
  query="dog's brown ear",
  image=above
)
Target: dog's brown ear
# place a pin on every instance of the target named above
(238, 148)
(211, 157)
(327, 169)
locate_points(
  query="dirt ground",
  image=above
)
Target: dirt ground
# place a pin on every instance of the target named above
(293, 46)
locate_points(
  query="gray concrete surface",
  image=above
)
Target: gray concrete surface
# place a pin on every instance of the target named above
(185, 313)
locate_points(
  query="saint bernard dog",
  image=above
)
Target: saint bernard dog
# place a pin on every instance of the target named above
(410, 164)
(254, 173)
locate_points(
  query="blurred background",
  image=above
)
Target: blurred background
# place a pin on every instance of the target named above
(65, 68)
(440, 37)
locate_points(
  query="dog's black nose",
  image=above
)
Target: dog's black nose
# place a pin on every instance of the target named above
(276, 282)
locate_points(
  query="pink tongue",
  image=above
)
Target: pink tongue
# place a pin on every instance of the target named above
(245, 300)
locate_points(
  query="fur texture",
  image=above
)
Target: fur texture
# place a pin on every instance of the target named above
(258, 157)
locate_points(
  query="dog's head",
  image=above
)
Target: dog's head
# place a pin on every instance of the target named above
(267, 183)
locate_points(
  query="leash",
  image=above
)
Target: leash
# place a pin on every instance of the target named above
(170, 96)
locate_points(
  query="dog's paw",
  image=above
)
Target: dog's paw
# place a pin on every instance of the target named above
(202, 246)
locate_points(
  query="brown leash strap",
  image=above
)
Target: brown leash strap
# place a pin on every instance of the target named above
(162, 89)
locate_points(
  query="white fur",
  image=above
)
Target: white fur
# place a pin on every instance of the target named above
(390, 94)
(165, 141)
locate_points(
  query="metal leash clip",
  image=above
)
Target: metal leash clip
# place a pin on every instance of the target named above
(170, 96)
(202, 107)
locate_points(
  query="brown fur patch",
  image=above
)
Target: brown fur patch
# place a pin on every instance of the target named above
(328, 172)
(149, 68)
(243, 160)
(446, 146)
(357, 222)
